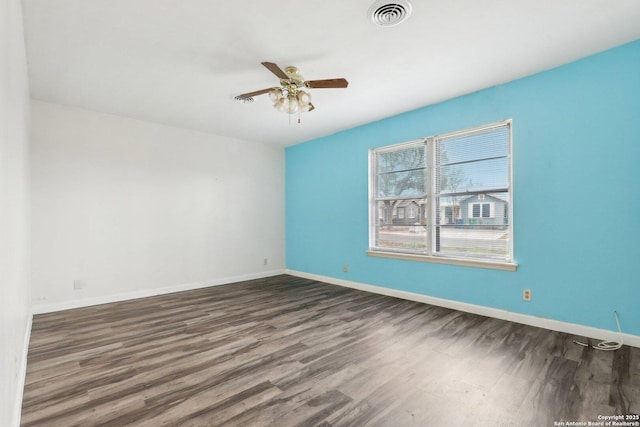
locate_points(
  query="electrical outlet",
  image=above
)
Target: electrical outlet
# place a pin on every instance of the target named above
(266, 261)
(78, 284)
(526, 295)
(345, 268)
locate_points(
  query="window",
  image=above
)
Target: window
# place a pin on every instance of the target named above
(461, 182)
(481, 210)
(486, 210)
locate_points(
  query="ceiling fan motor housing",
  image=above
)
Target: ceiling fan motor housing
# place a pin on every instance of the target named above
(295, 80)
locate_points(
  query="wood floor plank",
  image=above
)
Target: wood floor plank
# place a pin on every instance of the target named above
(286, 351)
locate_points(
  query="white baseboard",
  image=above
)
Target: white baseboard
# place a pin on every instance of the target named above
(86, 302)
(22, 374)
(554, 325)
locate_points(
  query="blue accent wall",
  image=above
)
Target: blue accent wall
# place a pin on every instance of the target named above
(576, 161)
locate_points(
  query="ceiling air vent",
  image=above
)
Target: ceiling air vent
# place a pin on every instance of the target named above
(387, 14)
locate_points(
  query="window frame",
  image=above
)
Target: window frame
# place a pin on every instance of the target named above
(431, 253)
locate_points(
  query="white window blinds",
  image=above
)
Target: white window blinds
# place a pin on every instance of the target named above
(473, 178)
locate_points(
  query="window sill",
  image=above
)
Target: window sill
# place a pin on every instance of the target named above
(496, 265)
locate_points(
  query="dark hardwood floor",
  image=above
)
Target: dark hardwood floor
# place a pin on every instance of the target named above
(286, 351)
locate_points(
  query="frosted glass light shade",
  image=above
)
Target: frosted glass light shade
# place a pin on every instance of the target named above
(275, 94)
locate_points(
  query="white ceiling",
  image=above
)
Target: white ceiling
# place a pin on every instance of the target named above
(181, 62)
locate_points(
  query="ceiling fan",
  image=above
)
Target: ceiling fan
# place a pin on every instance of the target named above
(290, 97)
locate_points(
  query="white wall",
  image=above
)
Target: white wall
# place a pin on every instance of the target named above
(15, 315)
(131, 208)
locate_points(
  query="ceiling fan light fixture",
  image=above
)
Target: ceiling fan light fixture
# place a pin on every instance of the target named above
(386, 13)
(304, 98)
(286, 104)
(292, 104)
(275, 94)
(281, 104)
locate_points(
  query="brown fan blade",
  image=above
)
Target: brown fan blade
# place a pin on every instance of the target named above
(326, 84)
(252, 94)
(275, 70)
